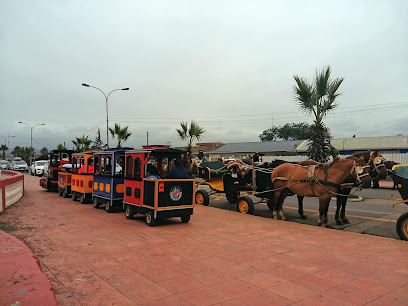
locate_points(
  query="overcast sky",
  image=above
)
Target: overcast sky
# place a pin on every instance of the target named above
(228, 65)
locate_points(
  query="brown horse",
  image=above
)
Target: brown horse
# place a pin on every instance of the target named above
(377, 170)
(320, 181)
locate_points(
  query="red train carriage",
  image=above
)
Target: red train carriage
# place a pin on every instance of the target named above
(156, 197)
(56, 161)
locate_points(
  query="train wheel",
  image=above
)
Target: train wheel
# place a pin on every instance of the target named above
(60, 192)
(202, 198)
(185, 218)
(74, 197)
(96, 203)
(65, 193)
(150, 220)
(82, 198)
(109, 207)
(232, 197)
(245, 205)
(402, 226)
(129, 212)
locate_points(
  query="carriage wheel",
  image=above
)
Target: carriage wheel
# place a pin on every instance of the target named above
(65, 193)
(202, 198)
(109, 207)
(402, 226)
(150, 220)
(245, 205)
(59, 192)
(185, 218)
(129, 212)
(232, 197)
(82, 198)
(96, 203)
(74, 197)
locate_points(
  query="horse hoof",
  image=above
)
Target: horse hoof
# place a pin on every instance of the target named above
(346, 221)
(276, 218)
(339, 222)
(303, 217)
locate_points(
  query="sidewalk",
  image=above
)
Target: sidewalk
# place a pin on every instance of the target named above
(220, 257)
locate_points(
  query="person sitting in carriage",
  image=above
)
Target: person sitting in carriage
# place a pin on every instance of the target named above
(178, 172)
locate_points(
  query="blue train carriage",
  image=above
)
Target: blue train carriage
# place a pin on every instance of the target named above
(150, 193)
(108, 179)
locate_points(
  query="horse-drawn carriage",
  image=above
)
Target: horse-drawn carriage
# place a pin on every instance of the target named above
(400, 177)
(237, 181)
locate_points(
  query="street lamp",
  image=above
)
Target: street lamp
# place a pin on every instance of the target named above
(6, 140)
(106, 102)
(31, 143)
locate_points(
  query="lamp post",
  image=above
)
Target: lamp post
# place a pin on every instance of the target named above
(31, 137)
(6, 140)
(106, 102)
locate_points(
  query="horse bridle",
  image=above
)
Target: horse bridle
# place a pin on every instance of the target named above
(377, 163)
(359, 170)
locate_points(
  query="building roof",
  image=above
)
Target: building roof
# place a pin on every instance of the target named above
(365, 143)
(259, 147)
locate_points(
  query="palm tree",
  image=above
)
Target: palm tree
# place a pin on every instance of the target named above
(4, 148)
(82, 143)
(60, 146)
(318, 98)
(16, 151)
(190, 133)
(121, 134)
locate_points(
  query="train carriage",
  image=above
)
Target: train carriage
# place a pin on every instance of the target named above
(108, 178)
(150, 193)
(82, 176)
(64, 182)
(57, 159)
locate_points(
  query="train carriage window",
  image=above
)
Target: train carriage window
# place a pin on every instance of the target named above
(97, 165)
(119, 165)
(138, 168)
(108, 166)
(129, 166)
(102, 167)
(74, 165)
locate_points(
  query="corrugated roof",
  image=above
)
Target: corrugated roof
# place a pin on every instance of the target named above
(260, 147)
(365, 143)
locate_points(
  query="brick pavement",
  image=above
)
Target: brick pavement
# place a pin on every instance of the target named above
(220, 257)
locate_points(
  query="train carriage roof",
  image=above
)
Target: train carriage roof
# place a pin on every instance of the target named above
(167, 151)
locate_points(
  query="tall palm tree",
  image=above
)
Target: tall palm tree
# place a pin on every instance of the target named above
(16, 151)
(318, 98)
(121, 134)
(3, 148)
(190, 133)
(82, 143)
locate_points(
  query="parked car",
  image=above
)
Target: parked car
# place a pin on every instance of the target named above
(20, 165)
(3, 164)
(37, 168)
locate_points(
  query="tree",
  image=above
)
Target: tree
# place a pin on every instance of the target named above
(190, 133)
(82, 143)
(318, 98)
(16, 151)
(121, 134)
(4, 148)
(60, 146)
(44, 151)
(97, 144)
(289, 131)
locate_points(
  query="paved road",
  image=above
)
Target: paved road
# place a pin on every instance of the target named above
(373, 215)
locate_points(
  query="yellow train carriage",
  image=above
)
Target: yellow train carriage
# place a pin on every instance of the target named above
(82, 176)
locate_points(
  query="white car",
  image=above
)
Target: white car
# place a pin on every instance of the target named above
(20, 165)
(37, 168)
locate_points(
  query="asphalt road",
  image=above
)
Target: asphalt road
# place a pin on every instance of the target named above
(373, 215)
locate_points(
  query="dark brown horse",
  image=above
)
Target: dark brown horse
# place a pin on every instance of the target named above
(320, 181)
(377, 170)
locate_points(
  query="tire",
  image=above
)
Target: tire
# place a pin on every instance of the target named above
(96, 203)
(402, 226)
(108, 207)
(245, 205)
(65, 193)
(185, 218)
(60, 192)
(150, 220)
(82, 199)
(232, 197)
(74, 197)
(129, 212)
(202, 198)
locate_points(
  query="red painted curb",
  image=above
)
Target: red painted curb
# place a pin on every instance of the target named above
(21, 278)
